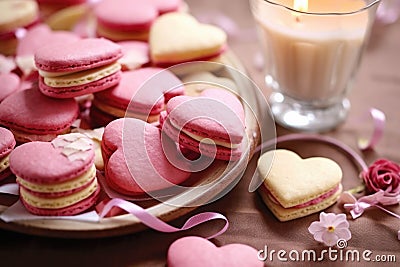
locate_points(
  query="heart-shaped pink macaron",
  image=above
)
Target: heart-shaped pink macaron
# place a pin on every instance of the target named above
(135, 162)
(215, 119)
(140, 94)
(198, 252)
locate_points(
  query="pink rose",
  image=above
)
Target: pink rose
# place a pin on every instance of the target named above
(383, 175)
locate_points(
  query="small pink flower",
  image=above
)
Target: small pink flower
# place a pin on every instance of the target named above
(383, 175)
(330, 228)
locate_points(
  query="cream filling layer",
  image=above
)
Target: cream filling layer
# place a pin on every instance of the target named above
(49, 74)
(121, 113)
(60, 187)
(311, 202)
(4, 163)
(122, 36)
(58, 203)
(82, 77)
(24, 137)
(205, 140)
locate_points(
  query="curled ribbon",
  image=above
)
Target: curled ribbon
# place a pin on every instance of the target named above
(358, 206)
(155, 223)
(379, 119)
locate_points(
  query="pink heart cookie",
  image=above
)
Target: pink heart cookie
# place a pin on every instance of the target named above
(198, 252)
(196, 123)
(56, 178)
(141, 94)
(134, 157)
(32, 116)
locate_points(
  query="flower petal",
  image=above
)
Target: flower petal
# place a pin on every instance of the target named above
(342, 225)
(329, 239)
(318, 236)
(339, 218)
(329, 219)
(316, 227)
(343, 233)
(322, 216)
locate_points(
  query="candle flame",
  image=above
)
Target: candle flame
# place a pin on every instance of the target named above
(301, 5)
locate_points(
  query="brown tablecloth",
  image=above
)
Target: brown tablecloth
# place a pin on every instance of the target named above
(377, 85)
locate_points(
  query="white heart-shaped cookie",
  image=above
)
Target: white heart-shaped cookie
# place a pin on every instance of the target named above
(179, 37)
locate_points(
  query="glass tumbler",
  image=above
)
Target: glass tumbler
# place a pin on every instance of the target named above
(312, 53)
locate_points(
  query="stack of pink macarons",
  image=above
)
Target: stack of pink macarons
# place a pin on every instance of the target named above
(150, 125)
(56, 178)
(75, 68)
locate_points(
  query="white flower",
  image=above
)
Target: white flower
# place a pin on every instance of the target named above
(330, 228)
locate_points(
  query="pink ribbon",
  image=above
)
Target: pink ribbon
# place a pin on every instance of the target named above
(379, 119)
(358, 206)
(155, 223)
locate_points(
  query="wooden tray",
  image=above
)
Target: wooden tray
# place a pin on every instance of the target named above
(228, 177)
